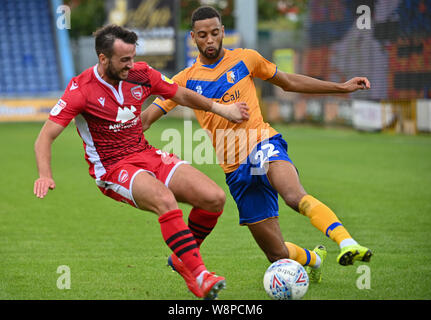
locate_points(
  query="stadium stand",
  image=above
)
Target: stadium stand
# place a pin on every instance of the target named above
(28, 55)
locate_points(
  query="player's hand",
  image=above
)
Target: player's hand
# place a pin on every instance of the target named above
(357, 83)
(42, 185)
(239, 112)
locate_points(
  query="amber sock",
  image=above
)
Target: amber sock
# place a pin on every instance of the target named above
(324, 219)
(303, 256)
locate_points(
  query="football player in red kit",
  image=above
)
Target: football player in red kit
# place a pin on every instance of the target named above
(105, 101)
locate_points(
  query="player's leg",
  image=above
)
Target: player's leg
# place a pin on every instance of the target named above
(315, 273)
(257, 203)
(151, 194)
(167, 168)
(268, 236)
(191, 186)
(284, 178)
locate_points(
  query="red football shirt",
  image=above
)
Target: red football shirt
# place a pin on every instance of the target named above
(107, 118)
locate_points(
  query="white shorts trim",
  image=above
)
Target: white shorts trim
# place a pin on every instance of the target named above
(131, 184)
(171, 173)
(128, 193)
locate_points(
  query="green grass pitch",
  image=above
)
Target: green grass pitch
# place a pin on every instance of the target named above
(378, 184)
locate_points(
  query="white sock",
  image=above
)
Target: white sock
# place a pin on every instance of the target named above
(347, 242)
(318, 261)
(200, 277)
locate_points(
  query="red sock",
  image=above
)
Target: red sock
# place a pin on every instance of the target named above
(179, 238)
(201, 223)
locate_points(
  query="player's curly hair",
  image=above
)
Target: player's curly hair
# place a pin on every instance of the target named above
(204, 12)
(105, 37)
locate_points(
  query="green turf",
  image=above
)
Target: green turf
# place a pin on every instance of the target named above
(378, 184)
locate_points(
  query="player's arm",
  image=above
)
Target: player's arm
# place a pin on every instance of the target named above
(42, 148)
(236, 112)
(150, 115)
(305, 84)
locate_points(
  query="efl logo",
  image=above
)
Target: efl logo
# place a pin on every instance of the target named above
(137, 92)
(55, 111)
(166, 79)
(123, 176)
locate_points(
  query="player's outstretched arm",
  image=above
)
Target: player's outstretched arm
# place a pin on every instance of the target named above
(42, 149)
(236, 112)
(151, 114)
(305, 84)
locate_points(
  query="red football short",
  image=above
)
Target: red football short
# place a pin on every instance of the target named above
(117, 182)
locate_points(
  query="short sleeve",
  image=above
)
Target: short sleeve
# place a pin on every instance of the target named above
(259, 66)
(168, 105)
(162, 85)
(71, 103)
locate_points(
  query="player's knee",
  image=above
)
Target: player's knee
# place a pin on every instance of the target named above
(164, 202)
(168, 202)
(219, 200)
(214, 200)
(293, 198)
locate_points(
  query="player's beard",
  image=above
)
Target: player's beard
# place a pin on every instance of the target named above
(113, 73)
(213, 55)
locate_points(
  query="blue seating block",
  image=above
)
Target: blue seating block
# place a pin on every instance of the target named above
(28, 56)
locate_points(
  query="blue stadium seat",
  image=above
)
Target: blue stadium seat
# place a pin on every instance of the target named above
(28, 55)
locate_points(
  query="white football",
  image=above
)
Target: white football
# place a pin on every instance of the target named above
(286, 279)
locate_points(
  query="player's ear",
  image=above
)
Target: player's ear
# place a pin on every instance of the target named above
(192, 34)
(103, 60)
